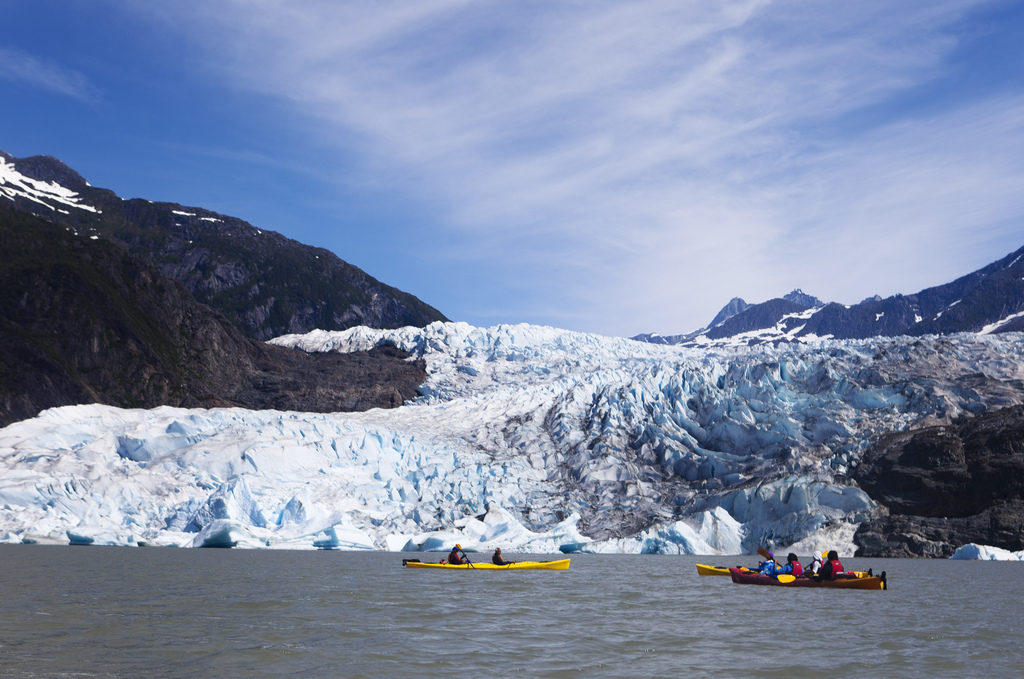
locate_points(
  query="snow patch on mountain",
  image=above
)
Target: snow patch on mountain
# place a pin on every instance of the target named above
(994, 327)
(13, 185)
(786, 329)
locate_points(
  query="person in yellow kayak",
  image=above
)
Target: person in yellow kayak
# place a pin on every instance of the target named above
(456, 556)
(498, 559)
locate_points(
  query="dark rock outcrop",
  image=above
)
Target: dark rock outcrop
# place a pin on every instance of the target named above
(946, 486)
(82, 320)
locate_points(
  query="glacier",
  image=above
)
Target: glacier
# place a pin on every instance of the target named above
(534, 439)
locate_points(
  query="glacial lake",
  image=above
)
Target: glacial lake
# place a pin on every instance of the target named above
(161, 612)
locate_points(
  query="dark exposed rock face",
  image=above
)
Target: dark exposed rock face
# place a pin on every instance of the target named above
(83, 321)
(1001, 525)
(946, 486)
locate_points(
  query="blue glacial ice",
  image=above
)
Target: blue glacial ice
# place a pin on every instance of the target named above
(530, 438)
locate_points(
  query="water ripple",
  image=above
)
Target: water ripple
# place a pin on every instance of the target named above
(116, 612)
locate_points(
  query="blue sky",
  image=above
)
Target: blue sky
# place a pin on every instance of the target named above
(609, 167)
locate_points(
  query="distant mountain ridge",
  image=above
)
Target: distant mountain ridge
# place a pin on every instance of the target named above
(989, 300)
(266, 284)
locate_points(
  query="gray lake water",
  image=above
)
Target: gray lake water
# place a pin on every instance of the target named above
(160, 612)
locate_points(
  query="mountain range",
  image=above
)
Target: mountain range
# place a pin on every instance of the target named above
(268, 285)
(989, 300)
(891, 427)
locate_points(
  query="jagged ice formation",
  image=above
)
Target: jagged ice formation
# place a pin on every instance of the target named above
(529, 438)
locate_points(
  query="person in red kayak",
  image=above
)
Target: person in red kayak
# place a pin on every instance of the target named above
(793, 566)
(832, 566)
(769, 566)
(815, 565)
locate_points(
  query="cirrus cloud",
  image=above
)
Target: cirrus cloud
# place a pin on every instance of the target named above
(625, 167)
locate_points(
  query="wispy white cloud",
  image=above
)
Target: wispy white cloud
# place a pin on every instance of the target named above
(646, 161)
(914, 202)
(16, 65)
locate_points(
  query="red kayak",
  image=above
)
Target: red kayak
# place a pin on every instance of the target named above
(743, 577)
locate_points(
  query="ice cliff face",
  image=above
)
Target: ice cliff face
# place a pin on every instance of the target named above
(529, 438)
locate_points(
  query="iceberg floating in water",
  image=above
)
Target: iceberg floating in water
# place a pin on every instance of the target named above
(973, 552)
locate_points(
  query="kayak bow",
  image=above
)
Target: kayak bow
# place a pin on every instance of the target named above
(704, 569)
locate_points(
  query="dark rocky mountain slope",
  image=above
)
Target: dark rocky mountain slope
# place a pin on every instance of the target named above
(83, 320)
(266, 284)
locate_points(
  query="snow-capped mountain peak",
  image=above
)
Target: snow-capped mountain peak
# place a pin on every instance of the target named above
(15, 185)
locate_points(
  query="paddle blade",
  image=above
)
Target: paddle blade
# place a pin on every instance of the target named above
(786, 577)
(764, 552)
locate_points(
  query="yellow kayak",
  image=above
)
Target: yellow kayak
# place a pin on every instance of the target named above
(559, 565)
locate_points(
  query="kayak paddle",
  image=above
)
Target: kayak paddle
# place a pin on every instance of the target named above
(786, 577)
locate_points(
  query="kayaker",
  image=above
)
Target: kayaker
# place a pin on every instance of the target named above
(793, 566)
(769, 566)
(457, 556)
(498, 559)
(832, 566)
(815, 565)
